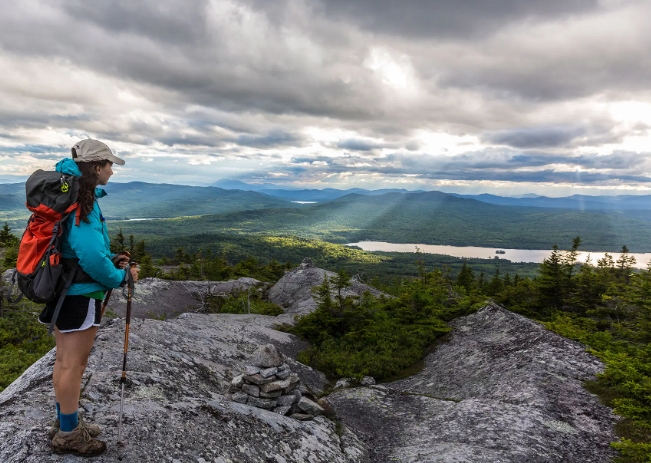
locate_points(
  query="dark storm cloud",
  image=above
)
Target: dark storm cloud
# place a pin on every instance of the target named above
(537, 137)
(197, 140)
(488, 165)
(444, 18)
(166, 45)
(273, 139)
(38, 151)
(615, 165)
(454, 172)
(171, 22)
(179, 46)
(357, 145)
(438, 18)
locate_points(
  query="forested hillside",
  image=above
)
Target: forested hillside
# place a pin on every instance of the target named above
(428, 218)
(421, 217)
(146, 200)
(636, 207)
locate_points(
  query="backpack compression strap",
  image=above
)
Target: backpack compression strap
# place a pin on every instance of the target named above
(19, 296)
(69, 279)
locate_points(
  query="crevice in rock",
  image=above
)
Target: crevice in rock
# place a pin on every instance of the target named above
(417, 394)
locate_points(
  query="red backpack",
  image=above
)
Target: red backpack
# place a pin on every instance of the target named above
(40, 273)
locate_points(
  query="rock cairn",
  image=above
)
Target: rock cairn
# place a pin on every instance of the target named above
(269, 383)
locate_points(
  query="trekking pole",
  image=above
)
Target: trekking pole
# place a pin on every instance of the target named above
(123, 380)
(105, 303)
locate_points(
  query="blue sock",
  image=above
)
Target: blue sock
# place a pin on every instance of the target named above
(58, 412)
(69, 422)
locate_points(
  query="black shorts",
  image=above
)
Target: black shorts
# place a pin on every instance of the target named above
(78, 313)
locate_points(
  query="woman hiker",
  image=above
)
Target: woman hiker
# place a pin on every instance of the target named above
(86, 240)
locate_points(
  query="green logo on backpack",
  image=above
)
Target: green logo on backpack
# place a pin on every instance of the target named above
(64, 187)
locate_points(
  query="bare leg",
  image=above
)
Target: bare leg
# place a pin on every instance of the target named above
(71, 359)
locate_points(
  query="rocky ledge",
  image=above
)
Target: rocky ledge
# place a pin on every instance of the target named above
(176, 407)
(501, 389)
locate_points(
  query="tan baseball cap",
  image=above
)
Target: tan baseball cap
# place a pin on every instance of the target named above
(93, 150)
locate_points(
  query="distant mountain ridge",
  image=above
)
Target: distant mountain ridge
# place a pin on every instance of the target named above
(305, 194)
(156, 200)
(382, 215)
(427, 218)
(576, 202)
(12, 194)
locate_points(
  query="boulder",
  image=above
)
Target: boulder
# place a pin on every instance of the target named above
(293, 291)
(240, 397)
(276, 385)
(251, 390)
(343, 383)
(156, 298)
(367, 381)
(266, 356)
(257, 379)
(310, 407)
(266, 373)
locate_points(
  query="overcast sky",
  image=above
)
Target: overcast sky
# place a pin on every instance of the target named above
(504, 96)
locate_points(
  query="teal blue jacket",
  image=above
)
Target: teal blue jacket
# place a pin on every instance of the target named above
(90, 243)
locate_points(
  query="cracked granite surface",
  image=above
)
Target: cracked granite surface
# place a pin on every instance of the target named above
(502, 389)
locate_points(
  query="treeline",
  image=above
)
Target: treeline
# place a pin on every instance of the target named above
(380, 337)
(199, 265)
(23, 340)
(383, 268)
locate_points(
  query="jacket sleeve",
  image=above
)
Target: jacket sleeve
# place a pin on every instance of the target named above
(87, 242)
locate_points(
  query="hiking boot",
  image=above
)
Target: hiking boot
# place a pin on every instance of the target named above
(93, 429)
(78, 441)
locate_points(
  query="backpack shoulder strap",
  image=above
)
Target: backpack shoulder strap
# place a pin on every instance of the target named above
(71, 276)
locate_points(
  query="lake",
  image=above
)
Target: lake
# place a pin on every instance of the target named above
(514, 255)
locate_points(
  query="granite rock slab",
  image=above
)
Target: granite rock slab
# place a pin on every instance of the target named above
(501, 389)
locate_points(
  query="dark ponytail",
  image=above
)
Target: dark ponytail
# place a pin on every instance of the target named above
(87, 183)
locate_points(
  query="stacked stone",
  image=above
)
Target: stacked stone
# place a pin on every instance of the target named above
(269, 383)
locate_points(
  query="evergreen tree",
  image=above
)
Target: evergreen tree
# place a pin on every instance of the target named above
(7, 238)
(624, 265)
(507, 280)
(322, 294)
(11, 256)
(481, 283)
(147, 268)
(570, 258)
(341, 282)
(551, 282)
(587, 290)
(496, 284)
(466, 277)
(139, 252)
(117, 244)
(420, 265)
